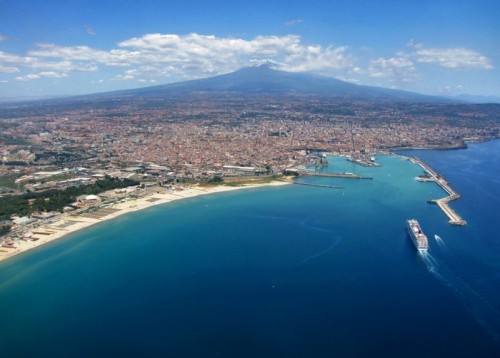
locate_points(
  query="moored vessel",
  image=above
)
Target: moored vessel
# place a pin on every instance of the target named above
(417, 235)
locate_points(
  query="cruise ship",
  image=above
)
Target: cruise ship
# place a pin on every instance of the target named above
(417, 236)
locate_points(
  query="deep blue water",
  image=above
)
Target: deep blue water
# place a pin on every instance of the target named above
(288, 271)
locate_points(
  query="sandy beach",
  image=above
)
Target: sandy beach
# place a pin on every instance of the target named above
(69, 223)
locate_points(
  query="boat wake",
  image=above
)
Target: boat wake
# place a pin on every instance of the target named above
(322, 232)
(431, 263)
(314, 228)
(440, 241)
(321, 253)
(483, 312)
(268, 217)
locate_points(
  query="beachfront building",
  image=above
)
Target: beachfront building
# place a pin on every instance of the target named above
(234, 170)
(88, 200)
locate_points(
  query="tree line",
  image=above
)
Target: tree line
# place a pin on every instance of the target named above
(56, 200)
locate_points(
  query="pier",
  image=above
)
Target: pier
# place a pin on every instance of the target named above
(333, 175)
(363, 162)
(454, 218)
(319, 185)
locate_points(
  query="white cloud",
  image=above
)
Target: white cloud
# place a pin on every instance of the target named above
(7, 58)
(8, 69)
(412, 43)
(189, 56)
(349, 79)
(12, 63)
(178, 57)
(397, 69)
(28, 77)
(52, 74)
(43, 74)
(316, 59)
(3, 38)
(173, 57)
(89, 30)
(453, 58)
(195, 55)
(128, 75)
(449, 90)
(449, 57)
(195, 46)
(63, 66)
(81, 53)
(294, 22)
(404, 66)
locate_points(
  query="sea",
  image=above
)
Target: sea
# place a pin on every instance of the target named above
(289, 271)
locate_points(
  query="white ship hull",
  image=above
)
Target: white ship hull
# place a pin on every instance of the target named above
(417, 236)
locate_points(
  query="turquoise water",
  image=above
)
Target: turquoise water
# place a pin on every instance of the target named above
(286, 271)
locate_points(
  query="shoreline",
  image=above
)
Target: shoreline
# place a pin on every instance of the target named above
(69, 224)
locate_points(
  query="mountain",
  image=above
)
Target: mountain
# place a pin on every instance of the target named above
(264, 79)
(255, 80)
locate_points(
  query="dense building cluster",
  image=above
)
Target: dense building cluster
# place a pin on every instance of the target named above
(202, 134)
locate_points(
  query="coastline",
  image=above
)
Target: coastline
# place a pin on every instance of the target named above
(68, 223)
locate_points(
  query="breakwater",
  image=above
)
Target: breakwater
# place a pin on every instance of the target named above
(333, 175)
(443, 203)
(319, 185)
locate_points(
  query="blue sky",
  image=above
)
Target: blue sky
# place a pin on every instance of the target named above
(66, 47)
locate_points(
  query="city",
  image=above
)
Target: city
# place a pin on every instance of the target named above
(249, 179)
(196, 137)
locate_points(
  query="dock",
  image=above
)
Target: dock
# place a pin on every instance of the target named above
(443, 203)
(363, 162)
(333, 175)
(319, 185)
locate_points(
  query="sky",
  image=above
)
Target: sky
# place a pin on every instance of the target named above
(68, 47)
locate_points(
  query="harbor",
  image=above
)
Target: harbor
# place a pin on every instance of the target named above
(443, 203)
